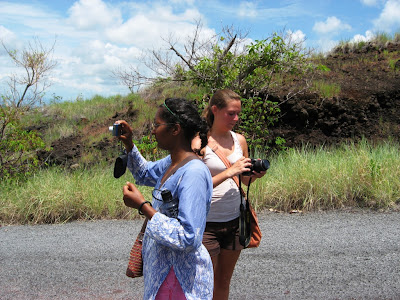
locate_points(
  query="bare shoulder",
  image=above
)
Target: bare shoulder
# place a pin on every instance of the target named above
(241, 139)
(243, 144)
(196, 144)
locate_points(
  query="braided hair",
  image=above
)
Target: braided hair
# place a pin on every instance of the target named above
(184, 112)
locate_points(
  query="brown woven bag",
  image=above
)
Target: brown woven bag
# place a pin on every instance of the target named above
(135, 264)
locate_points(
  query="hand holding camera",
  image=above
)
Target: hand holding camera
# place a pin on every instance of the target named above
(123, 132)
(258, 166)
(116, 129)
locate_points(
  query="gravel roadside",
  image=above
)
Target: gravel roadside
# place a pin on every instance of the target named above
(327, 255)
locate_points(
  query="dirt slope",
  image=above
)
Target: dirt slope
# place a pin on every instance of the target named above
(368, 105)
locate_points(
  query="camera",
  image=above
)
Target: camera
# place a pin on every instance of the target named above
(257, 165)
(116, 129)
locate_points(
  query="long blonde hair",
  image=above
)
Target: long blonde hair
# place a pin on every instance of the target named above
(220, 99)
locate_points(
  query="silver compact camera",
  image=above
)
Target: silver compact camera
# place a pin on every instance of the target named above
(116, 129)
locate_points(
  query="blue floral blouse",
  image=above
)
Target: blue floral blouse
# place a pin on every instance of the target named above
(177, 243)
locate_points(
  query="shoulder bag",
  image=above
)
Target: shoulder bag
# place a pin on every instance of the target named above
(249, 231)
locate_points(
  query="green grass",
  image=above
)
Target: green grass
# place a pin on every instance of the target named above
(326, 90)
(66, 118)
(352, 175)
(56, 196)
(359, 175)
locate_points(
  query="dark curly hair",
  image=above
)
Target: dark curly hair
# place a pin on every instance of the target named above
(184, 112)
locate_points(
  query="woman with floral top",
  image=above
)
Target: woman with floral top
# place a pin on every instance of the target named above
(175, 263)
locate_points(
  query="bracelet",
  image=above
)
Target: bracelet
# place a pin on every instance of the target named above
(141, 205)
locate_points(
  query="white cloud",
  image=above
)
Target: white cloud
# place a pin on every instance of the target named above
(363, 38)
(389, 19)
(147, 27)
(332, 25)
(325, 45)
(370, 2)
(7, 37)
(188, 2)
(248, 9)
(92, 14)
(297, 36)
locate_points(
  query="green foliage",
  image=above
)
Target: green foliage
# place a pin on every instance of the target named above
(256, 116)
(263, 67)
(362, 174)
(17, 147)
(56, 195)
(25, 90)
(322, 68)
(394, 65)
(307, 178)
(147, 146)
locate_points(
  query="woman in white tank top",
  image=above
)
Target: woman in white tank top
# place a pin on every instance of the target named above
(221, 236)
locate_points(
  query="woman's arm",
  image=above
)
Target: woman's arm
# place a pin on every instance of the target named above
(240, 166)
(146, 172)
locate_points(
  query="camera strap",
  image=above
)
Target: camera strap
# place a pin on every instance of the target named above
(244, 220)
(226, 162)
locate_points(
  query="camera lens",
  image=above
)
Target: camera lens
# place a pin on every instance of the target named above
(115, 129)
(261, 165)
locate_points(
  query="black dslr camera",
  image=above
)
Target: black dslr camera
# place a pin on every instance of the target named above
(257, 165)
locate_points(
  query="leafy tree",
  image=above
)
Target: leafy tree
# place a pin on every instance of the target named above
(257, 70)
(24, 90)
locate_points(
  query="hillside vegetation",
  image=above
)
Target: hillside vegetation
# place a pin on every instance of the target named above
(341, 144)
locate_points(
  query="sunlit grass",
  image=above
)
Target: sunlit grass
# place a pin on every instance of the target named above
(54, 195)
(352, 175)
(326, 90)
(358, 175)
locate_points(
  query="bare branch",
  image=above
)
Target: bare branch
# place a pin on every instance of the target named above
(27, 90)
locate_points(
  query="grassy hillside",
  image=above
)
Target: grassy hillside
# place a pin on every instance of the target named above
(342, 139)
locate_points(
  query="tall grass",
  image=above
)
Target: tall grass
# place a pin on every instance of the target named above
(326, 90)
(351, 175)
(55, 195)
(362, 175)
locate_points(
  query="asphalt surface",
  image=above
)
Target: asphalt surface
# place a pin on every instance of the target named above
(334, 255)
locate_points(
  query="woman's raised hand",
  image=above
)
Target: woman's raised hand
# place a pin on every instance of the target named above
(126, 135)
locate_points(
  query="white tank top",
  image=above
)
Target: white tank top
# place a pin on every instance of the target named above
(225, 201)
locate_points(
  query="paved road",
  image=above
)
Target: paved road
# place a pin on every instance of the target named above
(335, 255)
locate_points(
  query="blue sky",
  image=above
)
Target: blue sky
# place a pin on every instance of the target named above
(94, 37)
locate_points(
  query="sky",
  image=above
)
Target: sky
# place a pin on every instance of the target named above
(94, 37)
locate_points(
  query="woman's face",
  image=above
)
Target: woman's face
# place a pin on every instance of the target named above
(162, 132)
(227, 117)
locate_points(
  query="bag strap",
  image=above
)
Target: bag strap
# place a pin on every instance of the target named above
(183, 162)
(244, 207)
(143, 229)
(214, 147)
